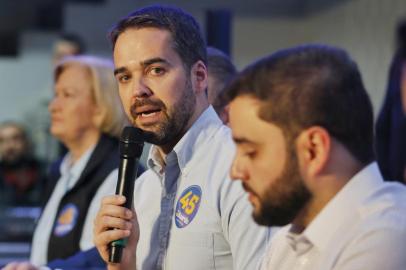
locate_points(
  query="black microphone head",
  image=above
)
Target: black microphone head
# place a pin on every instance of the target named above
(131, 142)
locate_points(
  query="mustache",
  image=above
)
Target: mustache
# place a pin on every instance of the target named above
(139, 103)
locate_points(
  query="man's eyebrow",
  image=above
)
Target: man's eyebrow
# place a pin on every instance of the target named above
(242, 140)
(155, 60)
(119, 70)
(144, 64)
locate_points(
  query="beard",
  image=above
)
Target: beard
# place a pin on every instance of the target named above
(175, 119)
(282, 201)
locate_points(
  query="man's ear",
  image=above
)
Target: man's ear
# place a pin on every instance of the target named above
(313, 148)
(199, 77)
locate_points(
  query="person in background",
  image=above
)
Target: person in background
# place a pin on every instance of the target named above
(87, 117)
(67, 44)
(22, 176)
(303, 125)
(36, 116)
(220, 71)
(188, 214)
(391, 123)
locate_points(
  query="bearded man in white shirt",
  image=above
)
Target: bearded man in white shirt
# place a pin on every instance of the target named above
(303, 125)
(187, 213)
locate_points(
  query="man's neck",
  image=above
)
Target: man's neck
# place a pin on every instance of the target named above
(307, 214)
(327, 188)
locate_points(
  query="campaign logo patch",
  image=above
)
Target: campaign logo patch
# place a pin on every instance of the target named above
(187, 206)
(66, 220)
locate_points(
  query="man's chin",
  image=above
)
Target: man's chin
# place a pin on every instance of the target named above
(272, 217)
(155, 137)
(257, 214)
(261, 220)
(149, 130)
(268, 221)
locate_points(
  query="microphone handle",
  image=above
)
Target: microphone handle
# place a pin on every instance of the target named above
(125, 186)
(126, 176)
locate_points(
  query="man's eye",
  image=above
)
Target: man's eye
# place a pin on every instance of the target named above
(157, 71)
(250, 154)
(123, 78)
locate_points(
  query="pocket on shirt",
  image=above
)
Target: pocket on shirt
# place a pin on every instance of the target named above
(190, 250)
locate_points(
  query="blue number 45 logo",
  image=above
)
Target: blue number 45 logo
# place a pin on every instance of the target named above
(187, 206)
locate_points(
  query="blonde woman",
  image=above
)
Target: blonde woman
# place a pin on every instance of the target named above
(87, 117)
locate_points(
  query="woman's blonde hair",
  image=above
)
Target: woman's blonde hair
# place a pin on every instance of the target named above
(104, 91)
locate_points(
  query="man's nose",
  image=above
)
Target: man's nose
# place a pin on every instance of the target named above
(237, 171)
(140, 89)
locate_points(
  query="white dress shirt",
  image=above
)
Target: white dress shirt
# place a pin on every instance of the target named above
(191, 215)
(362, 227)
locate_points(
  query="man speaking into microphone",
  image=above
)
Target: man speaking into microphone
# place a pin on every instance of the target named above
(188, 214)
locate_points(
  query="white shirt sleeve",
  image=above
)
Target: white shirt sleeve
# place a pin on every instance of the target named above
(107, 188)
(248, 241)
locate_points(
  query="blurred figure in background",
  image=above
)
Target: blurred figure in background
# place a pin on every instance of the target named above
(221, 70)
(36, 117)
(391, 122)
(21, 174)
(67, 44)
(87, 117)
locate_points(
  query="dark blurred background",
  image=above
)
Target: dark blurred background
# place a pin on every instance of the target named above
(256, 27)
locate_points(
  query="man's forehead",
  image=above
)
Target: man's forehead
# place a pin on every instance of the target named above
(138, 46)
(143, 38)
(243, 114)
(245, 105)
(245, 121)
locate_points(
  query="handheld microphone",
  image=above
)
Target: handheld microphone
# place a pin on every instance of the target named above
(130, 150)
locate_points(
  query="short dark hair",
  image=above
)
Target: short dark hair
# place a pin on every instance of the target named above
(220, 67)
(74, 39)
(312, 85)
(187, 38)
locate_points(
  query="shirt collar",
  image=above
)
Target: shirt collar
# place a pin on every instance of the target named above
(200, 132)
(75, 169)
(344, 204)
(298, 242)
(155, 161)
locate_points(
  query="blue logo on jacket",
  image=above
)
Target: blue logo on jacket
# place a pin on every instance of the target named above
(187, 206)
(66, 220)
